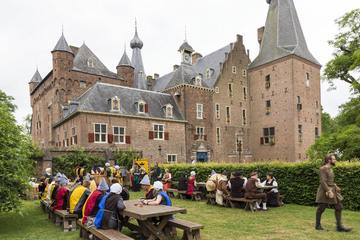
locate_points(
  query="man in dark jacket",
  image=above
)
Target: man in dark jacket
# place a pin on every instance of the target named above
(251, 191)
(328, 193)
(237, 184)
(155, 173)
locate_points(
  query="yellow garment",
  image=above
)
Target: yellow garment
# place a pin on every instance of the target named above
(45, 192)
(119, 177)
(93, 186)
(75, 197)
(112, 171)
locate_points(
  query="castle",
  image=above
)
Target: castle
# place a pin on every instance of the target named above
(221, 107)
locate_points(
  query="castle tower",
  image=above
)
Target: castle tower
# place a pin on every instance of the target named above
(186, 53)
(136, 60)
(126, 70)
(35, 80)
(284, 89)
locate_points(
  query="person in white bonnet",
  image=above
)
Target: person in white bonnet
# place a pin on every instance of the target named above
(113, 204)
(192, 183)
(160, 196)
(48, 173)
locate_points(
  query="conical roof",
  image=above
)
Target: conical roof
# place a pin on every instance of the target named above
(283, 35)
(62, 45)
(124, 61)
(37, 77)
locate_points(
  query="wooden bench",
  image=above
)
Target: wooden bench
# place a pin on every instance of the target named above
(170, 192)
(250, 203)
(68, 220)
(191, 230)
(211, 198)
(51, 214)
(182, 194)
(108, 234)
(42, 205)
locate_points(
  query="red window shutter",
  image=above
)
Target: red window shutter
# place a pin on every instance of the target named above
(56, 144)
(75, 139)
(204, 115)
(64, 143)
(71, 141)
(127, 139)
(166, 136)
(39, 124)
(67, 142)
(146, 108)
(91, 137)
(59, 144)
(151, 134)
(110, 138)
(205, 137)
(195, 137)
(261, 140)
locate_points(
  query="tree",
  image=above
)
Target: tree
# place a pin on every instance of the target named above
(346, 58)
(16, 167)
(27, 124)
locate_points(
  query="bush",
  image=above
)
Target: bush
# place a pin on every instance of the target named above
(297, 182)
(125, 157)
(66, 164)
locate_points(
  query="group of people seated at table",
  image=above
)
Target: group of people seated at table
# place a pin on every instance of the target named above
(239, 186)
(187, 183)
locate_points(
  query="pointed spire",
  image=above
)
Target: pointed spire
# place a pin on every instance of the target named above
(283, 35)
(62, 45)
(124, 61)
(37, 77)
(136, 42)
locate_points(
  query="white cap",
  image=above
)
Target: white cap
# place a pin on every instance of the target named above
(145, 180)
(107, 164)
(48, 169)
(117, 167)
(116, 188)
(192, 173)
(158, 185)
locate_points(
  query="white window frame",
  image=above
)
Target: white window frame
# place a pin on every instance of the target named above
(199, 111)
(217, 110)
(233, 69)
(158, 133)
(171, 111)
(141, 103)
(218, 135)
(307, 79)
(200, 132)
(173, 156)
(217, 90)
(244, 116)
(245, 93)
(119, 135)
(244, 72)
(226, 112)
(73, 133)
(65, 134)
(100, 134)
(231, 94)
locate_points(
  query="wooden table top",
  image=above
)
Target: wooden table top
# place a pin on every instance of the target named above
(198, 184)
(268, 187)
(148, 211)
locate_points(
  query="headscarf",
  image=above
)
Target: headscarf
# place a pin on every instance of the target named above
(145, 180)
(103, 186)
(87, 177)
(116, 188)
(64, 180)
(58, 177)
(158, 185)
(192, 173)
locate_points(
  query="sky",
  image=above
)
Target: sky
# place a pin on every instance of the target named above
(31, 29)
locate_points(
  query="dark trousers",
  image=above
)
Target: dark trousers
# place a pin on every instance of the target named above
(262, 196)
(321, 208)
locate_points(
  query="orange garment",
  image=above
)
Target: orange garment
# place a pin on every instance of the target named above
(167, 184)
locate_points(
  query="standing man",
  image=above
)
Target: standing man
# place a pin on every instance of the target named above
(328, 193)
(192, 160)
(155, 173)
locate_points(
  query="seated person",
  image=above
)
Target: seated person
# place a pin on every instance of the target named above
(91, 206)
(124, 193)
(42, 185)
(78, 197)
(62, 194)
(251, 191)
(47, 182)
(236, 185)
(147, 187)
(192, 183)
(183, 183)
(110, 205)
(273, 194)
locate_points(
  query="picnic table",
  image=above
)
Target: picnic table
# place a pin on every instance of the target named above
(201, 186)
(144, 215)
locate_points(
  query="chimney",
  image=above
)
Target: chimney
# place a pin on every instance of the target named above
(175, 67)
(156, 75)
(195, 57)
(226, 56)
(260, 34)
(149, 81)
(221, 66)
(231, 47)
(248, 53)
(239, 38)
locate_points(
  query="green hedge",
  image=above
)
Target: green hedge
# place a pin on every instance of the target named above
(297, 182)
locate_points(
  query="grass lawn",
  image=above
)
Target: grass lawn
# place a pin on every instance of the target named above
(288, 222)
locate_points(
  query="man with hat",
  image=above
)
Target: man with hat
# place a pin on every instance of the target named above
(251, 191)
(236, 185)
(96, 170)
(91, 206)
(147, 187)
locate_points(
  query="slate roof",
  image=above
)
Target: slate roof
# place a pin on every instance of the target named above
(96, 99)
(186, 46)
(37, 77)
(185, 73)
(283, 35)
(81, 63)
(62, 45)
(124, 61)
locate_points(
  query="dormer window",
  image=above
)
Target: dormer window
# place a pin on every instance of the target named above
(115, 104)
(198, 79)
(169, 110)
(90, 63)
(208, 73)
(142, 107)
(65, 111)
